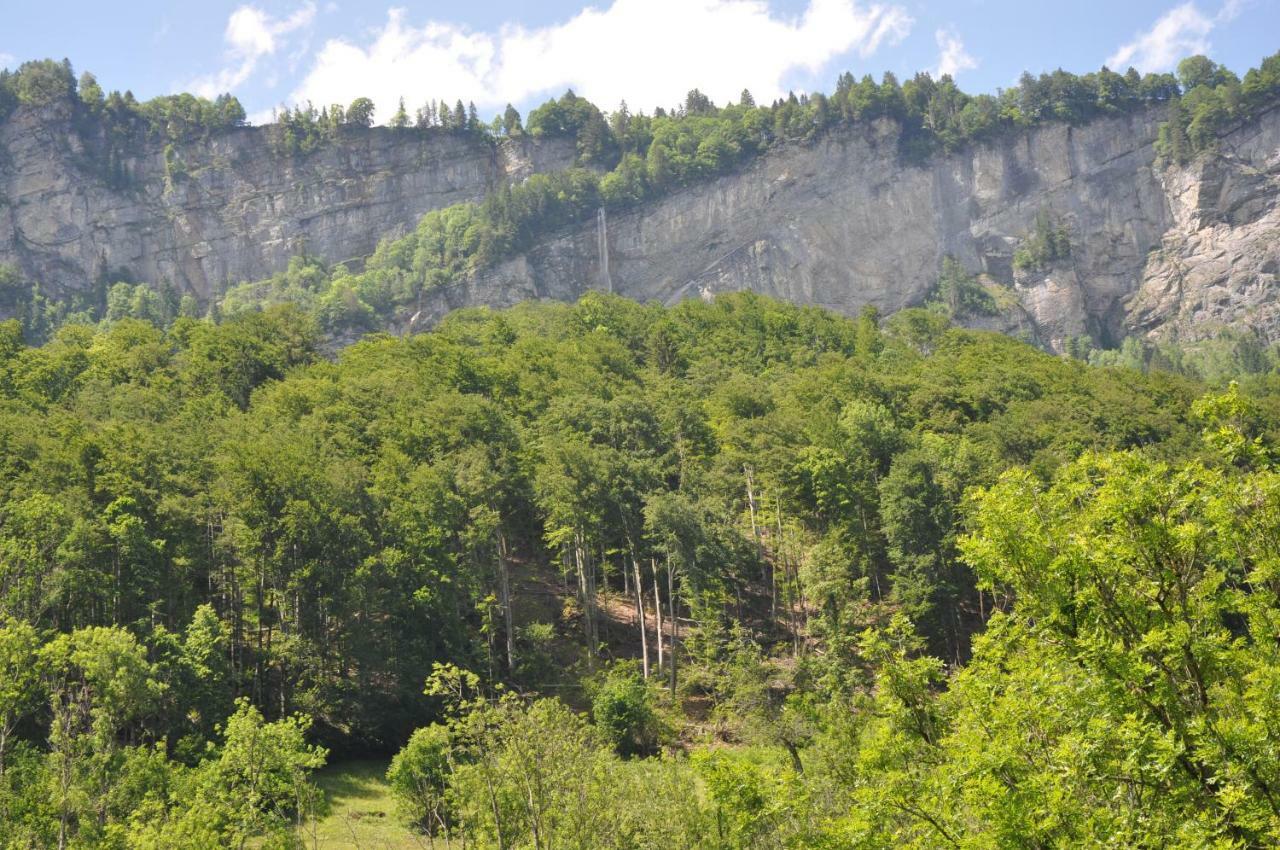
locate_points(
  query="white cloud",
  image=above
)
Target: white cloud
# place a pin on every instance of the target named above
(952, 57)
(1180, 32)
(250, 35)
(8, 60)
(1230, 10)
(650, 52)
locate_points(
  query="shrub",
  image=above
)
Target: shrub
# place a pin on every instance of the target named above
(419, 777)
(622, 708)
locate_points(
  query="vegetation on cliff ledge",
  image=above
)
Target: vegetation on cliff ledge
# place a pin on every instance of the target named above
(624, 159)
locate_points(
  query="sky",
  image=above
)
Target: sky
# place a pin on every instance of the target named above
(646, 52)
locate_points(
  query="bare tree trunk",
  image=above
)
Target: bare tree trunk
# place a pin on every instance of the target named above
(582, 596)
(791, 585)
(504, 586)
(957, 628)
(804, 600)
(794, 752)
(755, 529)
(675, 623)
(600, 576)
(875, 567)
(644, 637)
(593, 595)
(488, 615)
(773, 589)
(259, 675)
(657, 608)
(493, 804)
(586, 589)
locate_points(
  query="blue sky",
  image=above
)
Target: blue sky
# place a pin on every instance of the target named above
(649, 52)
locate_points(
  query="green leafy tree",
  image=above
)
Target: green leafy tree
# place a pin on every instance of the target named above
(20, 689)
(260, 777)
(360, 112)
(100, 685)
(400, 119)
(622, 709)
(420, 774)
(511, 125)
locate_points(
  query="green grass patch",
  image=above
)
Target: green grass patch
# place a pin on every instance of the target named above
(360, 811)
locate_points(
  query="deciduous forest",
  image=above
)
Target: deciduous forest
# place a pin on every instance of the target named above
(729, 574)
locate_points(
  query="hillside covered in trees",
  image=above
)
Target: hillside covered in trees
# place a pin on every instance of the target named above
(732, 574)
(725, 574)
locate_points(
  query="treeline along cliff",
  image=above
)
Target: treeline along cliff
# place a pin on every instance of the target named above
(1074, 210)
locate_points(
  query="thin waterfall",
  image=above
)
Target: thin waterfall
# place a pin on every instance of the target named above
(602, 242)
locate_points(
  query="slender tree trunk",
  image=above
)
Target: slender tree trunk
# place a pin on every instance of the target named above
(586, 589)
(4, 800)
(488, 644)
(582, 595)
(797, 599)
(956, 632)
(794, 753)
(62, 723)
(493, 803)
(755, 529)
(773, 591)
(788, 580)
(600, 576)
(675, 623)
(657, 609)
(259, 675)
(593, 594)
(644, 636)
(875, 565)
(504, 586)
(804, 600)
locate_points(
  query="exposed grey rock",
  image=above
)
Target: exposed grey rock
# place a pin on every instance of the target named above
(843, 223)
(840, 222)
(1218, 265)
(239, 211)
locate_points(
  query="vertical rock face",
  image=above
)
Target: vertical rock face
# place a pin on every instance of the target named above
(1218, 265)
(227, 209)
(841, 222)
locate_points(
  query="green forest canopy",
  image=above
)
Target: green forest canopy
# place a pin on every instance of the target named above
(912, 570)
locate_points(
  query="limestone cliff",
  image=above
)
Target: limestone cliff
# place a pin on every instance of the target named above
(1218, 264)
(840, 222)
(843, 223)
(217, 211)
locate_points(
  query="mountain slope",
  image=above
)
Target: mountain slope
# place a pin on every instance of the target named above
(842, 221)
